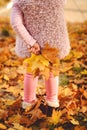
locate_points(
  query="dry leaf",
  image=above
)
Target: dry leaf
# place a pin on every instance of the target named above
(14, 119)
(50, 53)
(41, 64)
(84, 72)
(17, 126)
(59, 128)
(80, 128)
(72, 120)
(2, 127)
(55, 119)
(77, 54)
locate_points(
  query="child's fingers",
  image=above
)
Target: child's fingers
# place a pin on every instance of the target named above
(31, 50)
(38, 52)
(35, 50)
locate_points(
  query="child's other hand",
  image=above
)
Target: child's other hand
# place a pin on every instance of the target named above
(35, 49)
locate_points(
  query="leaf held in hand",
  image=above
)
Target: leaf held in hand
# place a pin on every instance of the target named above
(43, 63)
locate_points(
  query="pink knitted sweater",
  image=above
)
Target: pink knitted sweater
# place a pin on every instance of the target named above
(39, 21)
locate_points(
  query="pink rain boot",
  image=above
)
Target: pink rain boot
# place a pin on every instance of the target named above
(30, 84)
(52, 91)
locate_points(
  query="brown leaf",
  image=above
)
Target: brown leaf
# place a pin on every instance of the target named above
(14, 119)
(26, 121)
(83, 101)
(80, 128)
(14, 108)
(85, 94)
(50, 53)
(3, 114)
(59, 128)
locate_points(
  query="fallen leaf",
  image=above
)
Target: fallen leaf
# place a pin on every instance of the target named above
(14, 119)
(84, 72)
(80, 128)
(84, 109)
(73, 121)
(68, 57)
(77, 54)
(55, 119)
(59, 128)
(18, 126)
(3, 127)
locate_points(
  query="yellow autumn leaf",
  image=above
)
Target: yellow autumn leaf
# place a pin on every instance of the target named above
(77, 54)
(38, 64)
(56, 115)
(55, 70)
(84, 109)
(11, 129)
(45, 72)
(12, 63)
(42, 60)
(66, 92)
(2, 127)
(12, 90)
(6, 77)
(72, 120)
(30, 59)
(28, 70)
(9, 102)
(65, 69)
(10, 73)
(84, 72)
(17, 126)
(68, 57)
(20, 69)
(14, 119)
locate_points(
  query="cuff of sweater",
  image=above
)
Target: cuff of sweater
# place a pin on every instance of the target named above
(31, 43)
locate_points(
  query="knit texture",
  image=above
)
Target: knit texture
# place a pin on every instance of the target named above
(40, 21)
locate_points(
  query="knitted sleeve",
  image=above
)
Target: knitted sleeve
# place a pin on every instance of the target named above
(16, 20)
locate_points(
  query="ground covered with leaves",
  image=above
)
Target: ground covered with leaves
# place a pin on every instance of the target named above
(72, 113)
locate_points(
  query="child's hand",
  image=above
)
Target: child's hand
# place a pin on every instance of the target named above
(35, 49)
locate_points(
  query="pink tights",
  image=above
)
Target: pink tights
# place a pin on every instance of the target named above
(30, 85)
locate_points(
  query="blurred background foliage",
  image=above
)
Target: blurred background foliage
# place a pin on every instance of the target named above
(3, 2)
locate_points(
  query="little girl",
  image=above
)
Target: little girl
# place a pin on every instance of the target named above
(37, 22)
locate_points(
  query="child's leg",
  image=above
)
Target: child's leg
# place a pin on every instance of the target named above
(30, 84)
(52, 91)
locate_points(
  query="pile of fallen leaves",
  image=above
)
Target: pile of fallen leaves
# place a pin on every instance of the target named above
(72, 113)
